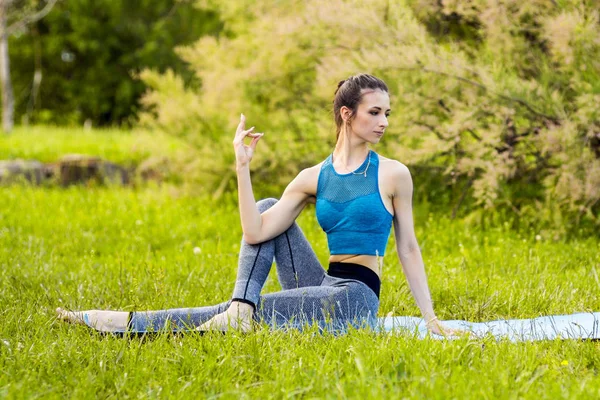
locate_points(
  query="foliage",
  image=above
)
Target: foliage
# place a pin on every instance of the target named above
(133, 250)
(19, 12)
(90, 52)
(500, 95)
(520, 106)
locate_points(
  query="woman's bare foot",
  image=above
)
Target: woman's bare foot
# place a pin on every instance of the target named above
(238, 317)
(103, 321)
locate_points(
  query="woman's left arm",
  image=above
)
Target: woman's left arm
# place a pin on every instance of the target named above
(408, 248)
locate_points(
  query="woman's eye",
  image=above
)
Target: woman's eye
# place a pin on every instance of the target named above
(373, 112)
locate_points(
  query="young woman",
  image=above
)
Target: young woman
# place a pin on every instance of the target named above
(359, 195)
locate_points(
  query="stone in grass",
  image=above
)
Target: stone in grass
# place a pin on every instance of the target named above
(154, 168)
(77, 168)
(22, 170)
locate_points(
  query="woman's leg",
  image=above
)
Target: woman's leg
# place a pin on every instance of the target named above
(175, 320)
(297, 263)
(336, 304)
(297, 266)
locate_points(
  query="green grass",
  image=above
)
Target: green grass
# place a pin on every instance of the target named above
(132, 249)
(119, 248)
(48, 144)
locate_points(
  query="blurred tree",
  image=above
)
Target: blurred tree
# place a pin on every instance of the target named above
(91, 52)
(499, 96)
(518, 115)
(15, 15)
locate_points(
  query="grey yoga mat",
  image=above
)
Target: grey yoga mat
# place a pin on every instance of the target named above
(574, 326)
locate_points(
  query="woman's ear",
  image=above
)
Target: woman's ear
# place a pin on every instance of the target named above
(346, 113)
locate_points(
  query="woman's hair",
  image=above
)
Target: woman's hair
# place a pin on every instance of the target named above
(349, 94)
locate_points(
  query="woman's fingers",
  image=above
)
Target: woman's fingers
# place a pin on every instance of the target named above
(241, 133)
(241, 125)
(239, 136)
(438, 328)
(244, 152)
(255, 138)
(456, 332)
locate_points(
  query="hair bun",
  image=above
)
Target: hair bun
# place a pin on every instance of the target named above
(340, 83)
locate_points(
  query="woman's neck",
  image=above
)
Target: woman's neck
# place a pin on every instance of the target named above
(348, 155)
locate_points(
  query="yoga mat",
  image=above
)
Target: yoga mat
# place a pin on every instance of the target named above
(580, 326)
(574, 326)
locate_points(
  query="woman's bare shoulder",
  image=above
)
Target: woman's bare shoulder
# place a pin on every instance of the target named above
(308, 179)
(315, 169)
(389, 166)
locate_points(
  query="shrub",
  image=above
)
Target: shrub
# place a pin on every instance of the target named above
(500, 96)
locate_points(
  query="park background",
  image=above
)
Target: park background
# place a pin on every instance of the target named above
(494, 111)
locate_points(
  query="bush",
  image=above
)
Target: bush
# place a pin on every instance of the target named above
(499, 97)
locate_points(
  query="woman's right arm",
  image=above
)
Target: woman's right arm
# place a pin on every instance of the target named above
(258, 228)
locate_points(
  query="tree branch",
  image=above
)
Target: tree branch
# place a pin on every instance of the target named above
(28, 19)
(444, 106)
(522, 102)
(475, 135)
(434, 130)
(462, 197)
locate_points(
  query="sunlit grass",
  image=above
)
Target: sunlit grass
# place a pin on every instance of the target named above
(133, 249)
(48, 144)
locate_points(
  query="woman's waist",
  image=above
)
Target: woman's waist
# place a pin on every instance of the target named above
(357, 272)
(374, 263)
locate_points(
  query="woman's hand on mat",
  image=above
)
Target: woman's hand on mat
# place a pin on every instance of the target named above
(243, 152)
(436, 327)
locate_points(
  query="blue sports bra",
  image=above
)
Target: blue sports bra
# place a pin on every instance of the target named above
(350, 209)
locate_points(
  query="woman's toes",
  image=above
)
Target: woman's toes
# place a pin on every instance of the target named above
(74, 317)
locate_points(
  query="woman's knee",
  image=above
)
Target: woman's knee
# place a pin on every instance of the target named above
(264, 204)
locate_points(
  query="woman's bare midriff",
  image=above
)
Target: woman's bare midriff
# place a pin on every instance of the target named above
(371, 262)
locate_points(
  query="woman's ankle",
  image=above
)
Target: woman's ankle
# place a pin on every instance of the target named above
(240, 309)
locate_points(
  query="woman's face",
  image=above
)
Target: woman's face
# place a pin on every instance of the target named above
(371, 117)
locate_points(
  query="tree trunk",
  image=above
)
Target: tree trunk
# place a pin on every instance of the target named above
(32, 105)
(8, 101)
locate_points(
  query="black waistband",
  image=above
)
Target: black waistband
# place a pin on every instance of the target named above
(357, 272)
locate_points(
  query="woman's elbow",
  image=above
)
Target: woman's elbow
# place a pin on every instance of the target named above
(250, 239)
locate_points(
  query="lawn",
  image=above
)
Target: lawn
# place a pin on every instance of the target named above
(48, 144)
(133, 249)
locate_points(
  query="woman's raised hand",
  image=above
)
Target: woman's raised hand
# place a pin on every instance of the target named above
(243, 152)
